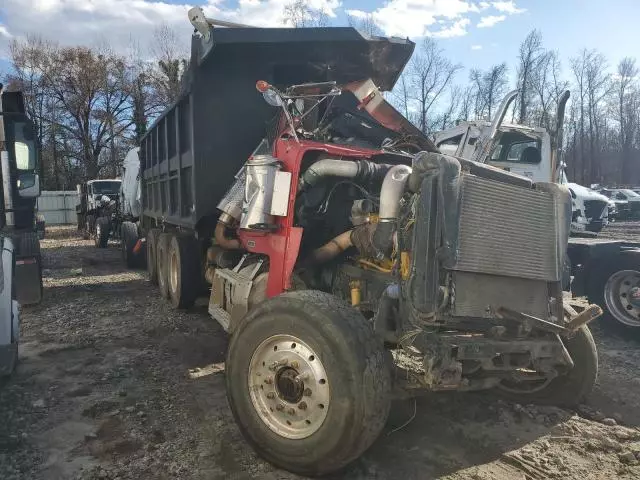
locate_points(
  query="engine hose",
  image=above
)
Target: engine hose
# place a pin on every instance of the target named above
(332, 249)
(390, 195)
(359, 170)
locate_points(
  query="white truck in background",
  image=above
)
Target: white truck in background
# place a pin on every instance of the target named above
(526, 151)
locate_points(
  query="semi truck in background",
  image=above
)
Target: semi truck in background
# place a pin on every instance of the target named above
(526, 151)
(21, 267)
(605, 271)
(335, 245)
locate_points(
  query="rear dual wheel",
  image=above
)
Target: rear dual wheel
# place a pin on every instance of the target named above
(178, 268)
(308, 382)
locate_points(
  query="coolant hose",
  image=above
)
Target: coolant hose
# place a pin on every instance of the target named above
(390, 195)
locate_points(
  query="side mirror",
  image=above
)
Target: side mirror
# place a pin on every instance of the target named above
(29, 185)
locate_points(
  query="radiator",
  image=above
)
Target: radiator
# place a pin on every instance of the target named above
(507, 230)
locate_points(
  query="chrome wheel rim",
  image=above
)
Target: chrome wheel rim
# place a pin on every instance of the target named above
(173, 276)
(289, 387)
(622, 297)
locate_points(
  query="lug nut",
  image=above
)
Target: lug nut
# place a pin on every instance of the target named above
(268, 380)
(307, 392)
(277, 364)
(303, 377)
(271, 395)
(280, 407)
(302, 406)
(292, 411)
(295, 365)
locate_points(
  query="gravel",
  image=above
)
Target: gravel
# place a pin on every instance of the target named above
(113, 384)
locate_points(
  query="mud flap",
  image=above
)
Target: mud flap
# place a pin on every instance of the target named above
(28, 280)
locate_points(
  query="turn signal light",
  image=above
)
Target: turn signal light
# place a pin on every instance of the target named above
(262, 86)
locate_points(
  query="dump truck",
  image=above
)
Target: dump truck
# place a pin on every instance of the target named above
(349, 260)
(21, 266)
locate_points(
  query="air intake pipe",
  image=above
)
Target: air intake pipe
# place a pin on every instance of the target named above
(390, 194)
(360, 170)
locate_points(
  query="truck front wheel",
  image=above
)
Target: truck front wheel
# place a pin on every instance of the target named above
(308, 382)
(103, 227)
(88, 227)
(566, 390)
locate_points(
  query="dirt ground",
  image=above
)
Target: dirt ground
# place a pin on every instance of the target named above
(113, 384)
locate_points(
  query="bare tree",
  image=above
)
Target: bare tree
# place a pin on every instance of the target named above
(365, 24)
(546, 87)
(170, 56)
(299, 14)
(626, 96)
(528, 58)
(430, 73)
(488, 88)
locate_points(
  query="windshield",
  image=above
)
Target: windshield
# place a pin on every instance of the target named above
(106, 187)
(629, 193)
(24, 148)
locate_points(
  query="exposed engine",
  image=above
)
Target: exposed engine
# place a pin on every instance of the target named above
(457, 264)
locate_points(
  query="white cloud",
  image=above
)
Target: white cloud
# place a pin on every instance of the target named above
(491, 20)
(4, 32)
(484, 5)
(458, 29)
(119, 22)
(509, 7)
(411, 18)
(476, 47)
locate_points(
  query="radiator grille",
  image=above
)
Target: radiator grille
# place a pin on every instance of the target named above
(594, 209)
(507, 230)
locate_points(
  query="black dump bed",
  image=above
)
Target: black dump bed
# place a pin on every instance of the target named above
(190, 155)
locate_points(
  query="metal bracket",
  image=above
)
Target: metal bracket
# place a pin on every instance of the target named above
(230, 291)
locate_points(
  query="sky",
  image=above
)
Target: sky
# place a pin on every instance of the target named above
(474, 33)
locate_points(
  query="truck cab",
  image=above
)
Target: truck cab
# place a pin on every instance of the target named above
(527, 151)
(21, 266)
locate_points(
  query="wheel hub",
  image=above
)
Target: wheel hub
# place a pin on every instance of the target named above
(622, 297)
(288, 386)
(634, 297)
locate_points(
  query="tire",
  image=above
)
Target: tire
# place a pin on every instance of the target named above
(183, 270)
(162, 255)
(129, 238)
(615, 285)
(340, 345)
(103, 227)
(152, 257)
(570, 389)
(88, 227)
